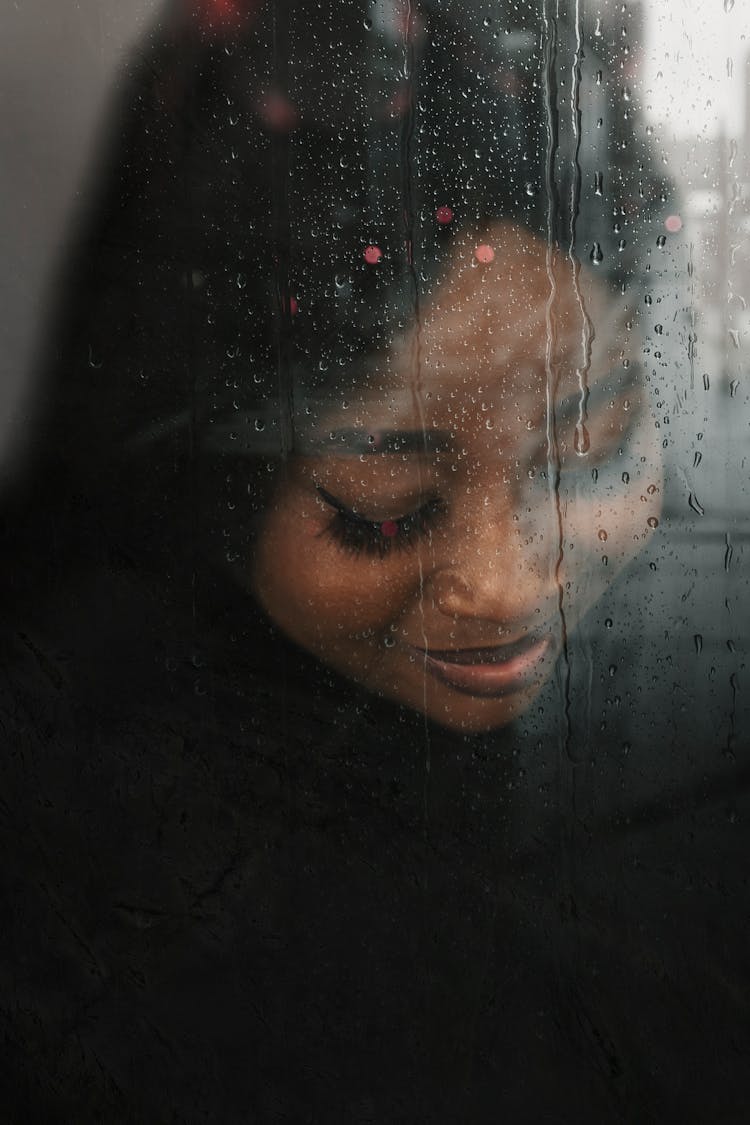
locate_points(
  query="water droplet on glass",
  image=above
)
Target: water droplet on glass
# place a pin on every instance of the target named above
(698, 641)
(652, 522)
(581, 440)
(734, 336)
(598, 183)
(729, 551)
(596, 255)
(733, 386)
(602, 535)
(658, 329)
(626, 478)
(648, 299)
(696, 505)
(661, 241)
(728, 5)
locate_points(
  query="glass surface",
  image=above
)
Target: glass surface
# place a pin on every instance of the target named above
(375, 532)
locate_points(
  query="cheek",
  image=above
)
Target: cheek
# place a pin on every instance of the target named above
(607, 531)
(316, 591)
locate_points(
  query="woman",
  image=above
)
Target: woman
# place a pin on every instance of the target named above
(344, 443)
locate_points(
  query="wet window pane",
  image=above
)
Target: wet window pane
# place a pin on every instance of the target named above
(374, 514)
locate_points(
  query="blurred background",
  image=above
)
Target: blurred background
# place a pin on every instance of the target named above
(58, 59)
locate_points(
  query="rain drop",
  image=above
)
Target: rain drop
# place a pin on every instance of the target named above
(602, 535)
(652, 522)
(698, 641)
(728, 5)
(581, 440)
(596, 255)
(696, 505)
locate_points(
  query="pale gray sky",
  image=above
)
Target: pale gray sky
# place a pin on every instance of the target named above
(693, 81)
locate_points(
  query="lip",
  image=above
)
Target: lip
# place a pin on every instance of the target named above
(498, 670)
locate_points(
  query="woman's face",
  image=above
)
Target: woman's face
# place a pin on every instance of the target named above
(454, 521)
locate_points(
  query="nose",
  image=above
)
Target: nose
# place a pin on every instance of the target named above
(494, 565)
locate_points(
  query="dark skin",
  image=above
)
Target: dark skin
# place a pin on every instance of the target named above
(432, 573)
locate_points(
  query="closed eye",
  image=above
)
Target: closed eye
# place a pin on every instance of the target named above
(357, 534)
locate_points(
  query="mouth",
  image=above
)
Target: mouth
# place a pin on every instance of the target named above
(494, 671)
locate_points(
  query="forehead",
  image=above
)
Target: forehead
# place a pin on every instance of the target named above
(495, 337)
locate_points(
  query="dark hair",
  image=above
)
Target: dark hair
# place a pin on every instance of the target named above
(221, 282)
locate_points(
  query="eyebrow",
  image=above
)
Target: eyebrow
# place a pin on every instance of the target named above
(352, 442)
(357, 442)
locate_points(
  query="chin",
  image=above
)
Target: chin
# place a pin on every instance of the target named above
(466, 714)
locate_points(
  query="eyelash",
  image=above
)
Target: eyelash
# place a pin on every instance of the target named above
(359, 536)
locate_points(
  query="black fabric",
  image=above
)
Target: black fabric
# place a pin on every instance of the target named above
(222, 909)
